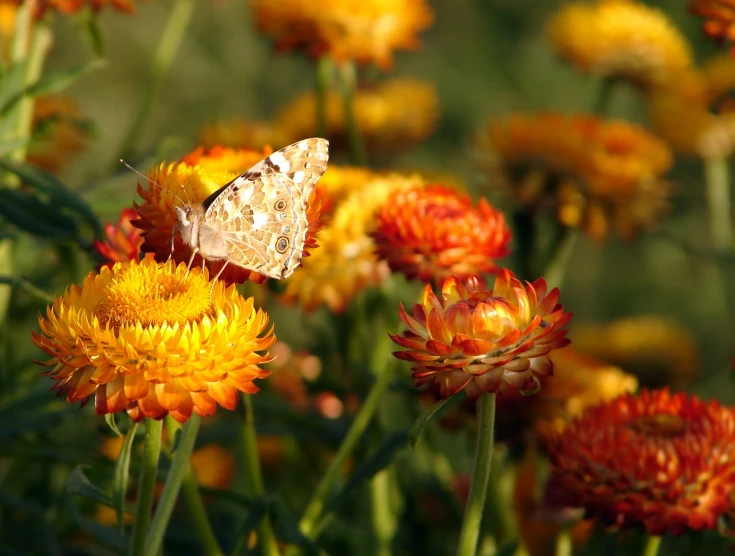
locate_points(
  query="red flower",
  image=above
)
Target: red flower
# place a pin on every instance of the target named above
(664, 461)
(123, 240)
(433, 233)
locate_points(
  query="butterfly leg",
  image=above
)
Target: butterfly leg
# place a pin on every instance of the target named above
(188, 265)
(221, 270)
(171, 242)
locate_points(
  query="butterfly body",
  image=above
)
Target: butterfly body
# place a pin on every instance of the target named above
(258, 220)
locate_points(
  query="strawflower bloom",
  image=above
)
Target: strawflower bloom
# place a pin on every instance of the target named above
(123, 240)
(719, 17)
(346, 263)
(366, 31)
(596, 174)
(480, 340)
(659, 350)
(432, 233)
(199, 174)
(59, 132)
(596, 38)
(391, 116)
(153, 340)
(659, 460)
(695, 113)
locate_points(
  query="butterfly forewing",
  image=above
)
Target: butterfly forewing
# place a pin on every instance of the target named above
(261, 214)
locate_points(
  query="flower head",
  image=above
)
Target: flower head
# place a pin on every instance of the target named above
(719, 17)
(197, 176)
(694, 112)
(595, 174)
(152, 339)
(661, 460)
(59, 132)
(596, 38)
(345, 262)
(123, 240)
(481, 340)
(432, 233)
(366, 31)
(391, 116)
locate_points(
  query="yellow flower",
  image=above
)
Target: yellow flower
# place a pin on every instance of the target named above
(660, 351)
(596, 174)
(483, 340)
(619, 38)
(151, 340)
(395, 114)
(693, 112)
(59, 132)
(366, 31)
(346, 262)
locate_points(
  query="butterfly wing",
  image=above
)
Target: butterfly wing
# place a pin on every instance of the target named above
(262, 213)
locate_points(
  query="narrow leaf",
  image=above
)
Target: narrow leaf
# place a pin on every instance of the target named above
(52, 83)
(29, 213)
(78, 484)
(105, 535)
(122, 474)
(418, 427)
(258, 509)
(287, 528)
(112, 425)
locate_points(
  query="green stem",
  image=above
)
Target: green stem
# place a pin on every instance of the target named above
(480, 476)
(348, 80)
(171, 38)
(323, 74)
(652, 545)
(194, 503)
(717, 178)
(563, 543)
(316, 505)
(384, 519)
(198, 514)
(254, 477)
(602, 102)
(176, 474)
(146, 484)
(557, 267)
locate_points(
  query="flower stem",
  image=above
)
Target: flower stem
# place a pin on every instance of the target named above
(717, 180)
(602, 102)
(179, 468)
(146, 484)
(652, 545)
(348, 80)
(384, 519)
(194, 502)
(254, 477)
(557, 267)
(316, 505)
(480, 476)
(563, 543)
(323, 73)
(163, 58)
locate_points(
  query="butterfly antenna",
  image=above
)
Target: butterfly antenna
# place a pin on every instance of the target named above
(157, 184)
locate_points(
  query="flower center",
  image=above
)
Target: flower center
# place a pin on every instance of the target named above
(152, 296)
(661, 425)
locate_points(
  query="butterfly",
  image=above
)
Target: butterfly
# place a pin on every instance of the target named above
(258, 220)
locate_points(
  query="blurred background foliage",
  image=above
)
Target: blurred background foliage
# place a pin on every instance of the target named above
(485, 58)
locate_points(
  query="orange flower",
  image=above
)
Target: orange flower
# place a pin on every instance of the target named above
(596, 38)
(360, 30)
(199, 174)
(59, 133)
(719, 17)
(123, 241)
(664, 461)
(595, 174)
(153, 339)
(481, 340)
(72, 6)
(292, 371)
(433, 233)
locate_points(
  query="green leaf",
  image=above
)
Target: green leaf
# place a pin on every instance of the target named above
(112, 425)
(378, 460)
(287, 528)
(122, 474)
(77, 483)
(418, 427)
(57, 191)
(95, 34)
(258, 509)
(29, 213)
(51, 83)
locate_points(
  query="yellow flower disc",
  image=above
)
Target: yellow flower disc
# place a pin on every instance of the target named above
(151, 339)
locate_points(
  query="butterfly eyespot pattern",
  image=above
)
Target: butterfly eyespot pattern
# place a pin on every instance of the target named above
(242, 225)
